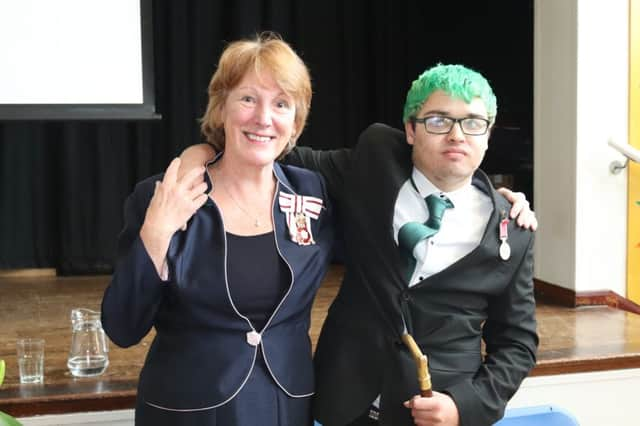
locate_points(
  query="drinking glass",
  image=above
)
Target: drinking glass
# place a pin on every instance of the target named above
(30, 354)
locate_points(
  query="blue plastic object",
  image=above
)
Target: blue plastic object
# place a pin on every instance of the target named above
(541, 415)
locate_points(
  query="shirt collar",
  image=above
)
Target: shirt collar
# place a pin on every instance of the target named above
(426, 187)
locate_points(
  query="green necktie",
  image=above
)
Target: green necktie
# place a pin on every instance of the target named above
(411, 233)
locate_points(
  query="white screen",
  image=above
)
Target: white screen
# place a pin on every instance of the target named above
(70, 52)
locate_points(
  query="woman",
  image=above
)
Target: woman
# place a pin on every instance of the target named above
(230, 294)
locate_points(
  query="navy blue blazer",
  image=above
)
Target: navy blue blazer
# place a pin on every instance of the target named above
(202, 355)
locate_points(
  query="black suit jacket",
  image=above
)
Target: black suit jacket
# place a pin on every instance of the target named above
(479, 298)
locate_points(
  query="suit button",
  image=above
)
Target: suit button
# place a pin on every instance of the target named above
(253, 338)
(406, 296)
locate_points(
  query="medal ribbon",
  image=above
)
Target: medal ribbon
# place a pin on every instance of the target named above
(503, 229)
(291, 204)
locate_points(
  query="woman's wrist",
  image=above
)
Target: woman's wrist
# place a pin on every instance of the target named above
(156, 245)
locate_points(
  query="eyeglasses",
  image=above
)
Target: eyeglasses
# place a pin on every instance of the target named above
(440, 125)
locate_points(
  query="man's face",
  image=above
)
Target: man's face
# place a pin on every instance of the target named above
(447, 160)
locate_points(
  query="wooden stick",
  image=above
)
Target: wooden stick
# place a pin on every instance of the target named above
(422, 364)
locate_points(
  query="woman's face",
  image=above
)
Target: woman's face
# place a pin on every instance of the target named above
(258, 119)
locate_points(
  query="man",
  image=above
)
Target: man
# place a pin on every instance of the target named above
(465, 279)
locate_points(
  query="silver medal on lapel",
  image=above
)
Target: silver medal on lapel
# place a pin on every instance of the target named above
(505, 249)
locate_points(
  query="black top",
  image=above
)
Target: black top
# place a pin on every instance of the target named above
(258, 277)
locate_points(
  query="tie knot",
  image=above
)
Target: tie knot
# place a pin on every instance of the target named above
(437, 204)
(411, 233)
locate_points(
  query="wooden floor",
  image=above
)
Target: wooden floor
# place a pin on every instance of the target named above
(572, 340)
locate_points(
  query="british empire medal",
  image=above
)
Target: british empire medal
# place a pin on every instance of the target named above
(299, 210)
(505, 249)
(302, 234)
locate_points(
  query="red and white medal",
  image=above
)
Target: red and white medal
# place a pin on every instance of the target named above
(299, 210)
(505, 249)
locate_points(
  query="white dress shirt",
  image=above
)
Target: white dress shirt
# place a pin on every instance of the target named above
(460, 231)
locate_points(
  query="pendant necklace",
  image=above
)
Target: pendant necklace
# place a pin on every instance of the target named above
(256, 220)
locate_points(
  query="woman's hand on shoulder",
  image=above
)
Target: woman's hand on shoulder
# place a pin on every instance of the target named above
(195, 156)
(520, 210)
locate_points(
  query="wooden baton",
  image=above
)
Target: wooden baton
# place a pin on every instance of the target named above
(422, 364)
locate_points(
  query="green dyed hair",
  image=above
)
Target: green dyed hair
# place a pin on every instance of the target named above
(456, 81)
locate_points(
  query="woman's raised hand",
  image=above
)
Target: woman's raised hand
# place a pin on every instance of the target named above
(175, 200)
(173, 203)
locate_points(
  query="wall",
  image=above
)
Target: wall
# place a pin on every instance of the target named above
(604, 398)
(580, 101)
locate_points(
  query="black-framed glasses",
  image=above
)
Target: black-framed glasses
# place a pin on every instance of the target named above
(440, 124)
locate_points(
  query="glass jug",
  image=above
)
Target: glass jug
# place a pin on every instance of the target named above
(89, 352)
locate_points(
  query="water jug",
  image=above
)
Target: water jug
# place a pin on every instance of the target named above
(89, 352)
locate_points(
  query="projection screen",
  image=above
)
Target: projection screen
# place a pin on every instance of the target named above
(76, 59)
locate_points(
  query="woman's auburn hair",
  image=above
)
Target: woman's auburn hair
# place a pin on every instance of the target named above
(267, 52)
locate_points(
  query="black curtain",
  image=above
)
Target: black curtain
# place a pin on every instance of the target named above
(64, 183)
